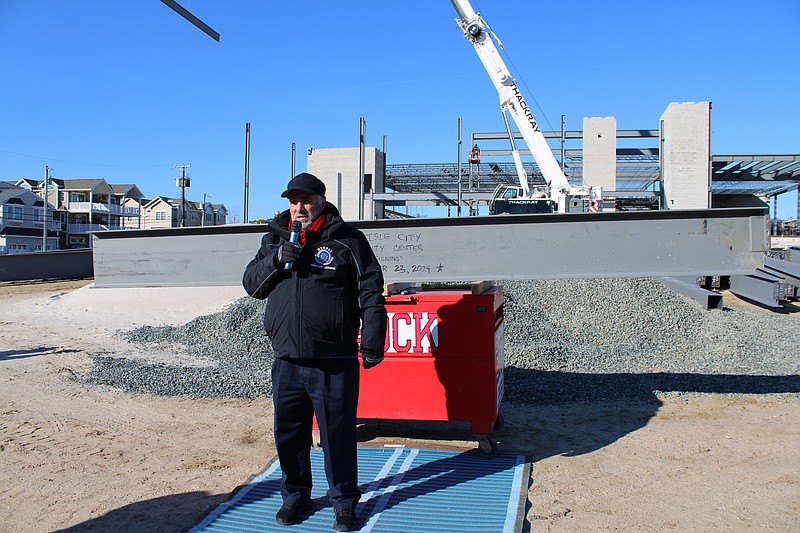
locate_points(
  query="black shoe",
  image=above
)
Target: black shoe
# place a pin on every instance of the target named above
(289, 514)
(345, 519)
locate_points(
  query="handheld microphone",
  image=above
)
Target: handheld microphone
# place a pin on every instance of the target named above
(294, 236)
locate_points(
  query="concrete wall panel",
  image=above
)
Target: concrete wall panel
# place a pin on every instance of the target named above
(686, 155)
(600, 152)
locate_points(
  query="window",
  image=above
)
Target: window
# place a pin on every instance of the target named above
(38, 216)
(161, 215)
(15, 213)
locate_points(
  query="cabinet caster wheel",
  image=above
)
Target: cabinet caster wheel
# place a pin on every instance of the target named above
(488, 448)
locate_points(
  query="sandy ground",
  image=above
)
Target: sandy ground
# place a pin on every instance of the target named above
(86, 458)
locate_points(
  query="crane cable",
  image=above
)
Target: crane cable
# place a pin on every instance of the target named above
(515, 71)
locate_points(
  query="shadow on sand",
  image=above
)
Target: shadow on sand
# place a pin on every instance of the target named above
(562, 414)
(8, 355)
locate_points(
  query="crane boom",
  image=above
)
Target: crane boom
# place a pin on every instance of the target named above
(512, 102)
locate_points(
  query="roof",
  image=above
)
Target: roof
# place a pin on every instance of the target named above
(756, 167)
(7, 193)
(757, 188)
(24, 232)
(129, 190)
(172, 202)
(95, 185)
(175, 202)
(29, 181)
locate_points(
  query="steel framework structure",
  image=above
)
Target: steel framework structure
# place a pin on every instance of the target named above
(638, 170)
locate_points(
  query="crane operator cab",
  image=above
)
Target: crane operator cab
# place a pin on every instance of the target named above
(511, 200)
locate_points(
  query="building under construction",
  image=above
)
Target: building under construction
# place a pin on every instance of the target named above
(671, 167)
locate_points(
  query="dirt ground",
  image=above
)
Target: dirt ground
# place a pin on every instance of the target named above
(86, 458)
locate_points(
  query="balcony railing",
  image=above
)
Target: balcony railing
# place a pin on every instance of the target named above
(86, 228)
(95, 207)
(54, 225)
(126, 211)
(86, 207)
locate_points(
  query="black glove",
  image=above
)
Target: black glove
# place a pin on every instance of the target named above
(369, 360)
(287, 253)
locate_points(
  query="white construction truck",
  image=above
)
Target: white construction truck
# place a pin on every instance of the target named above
(557, 195)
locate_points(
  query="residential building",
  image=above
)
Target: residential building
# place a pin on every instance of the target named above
(165, 212)
(87, 205)
(213, 214)
(129, 198)
(135, 220)
(23, 215)
(220, 215)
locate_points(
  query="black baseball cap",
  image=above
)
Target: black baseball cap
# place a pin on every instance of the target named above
(307, 183)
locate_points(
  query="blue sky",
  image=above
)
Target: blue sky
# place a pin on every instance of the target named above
(126, 90)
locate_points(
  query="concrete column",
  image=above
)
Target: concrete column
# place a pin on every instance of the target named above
(685, 153)
(338, 169)
(600, 152)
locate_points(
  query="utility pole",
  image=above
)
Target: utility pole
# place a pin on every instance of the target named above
(183, 182)
(46, 204)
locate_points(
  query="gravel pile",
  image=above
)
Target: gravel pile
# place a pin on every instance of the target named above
(586, 340)
(565, 340)
(232, 355)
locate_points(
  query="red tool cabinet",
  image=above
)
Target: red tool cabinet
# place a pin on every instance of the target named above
(444, 361)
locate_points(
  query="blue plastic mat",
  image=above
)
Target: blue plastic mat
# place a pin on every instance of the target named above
(405, 489)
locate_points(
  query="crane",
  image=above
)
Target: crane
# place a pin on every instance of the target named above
(555, 194)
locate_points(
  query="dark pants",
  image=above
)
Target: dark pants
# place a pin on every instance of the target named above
(329, 388)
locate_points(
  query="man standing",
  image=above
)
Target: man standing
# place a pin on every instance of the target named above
(321, 286)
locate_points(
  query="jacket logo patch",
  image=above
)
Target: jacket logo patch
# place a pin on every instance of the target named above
(323, 258)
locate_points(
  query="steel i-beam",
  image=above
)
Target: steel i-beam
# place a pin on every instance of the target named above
(592, 245)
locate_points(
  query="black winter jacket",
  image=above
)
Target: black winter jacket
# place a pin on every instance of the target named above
(314, 310)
